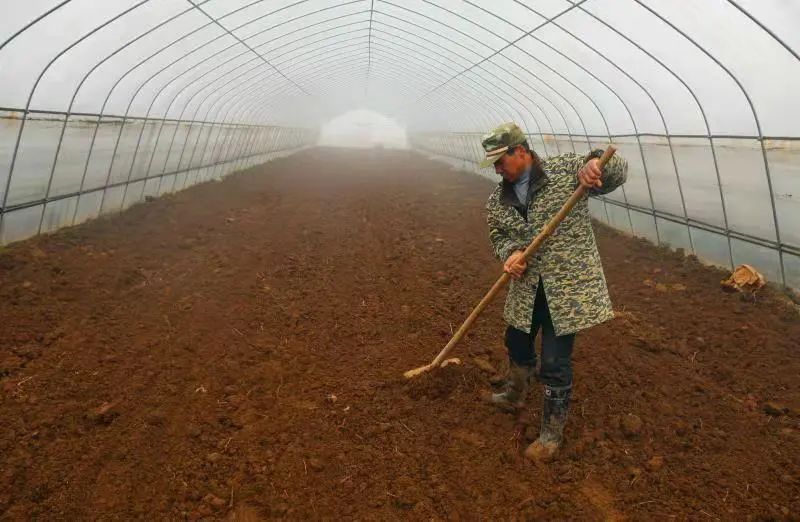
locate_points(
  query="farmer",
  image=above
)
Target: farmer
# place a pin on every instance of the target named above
(561, 289)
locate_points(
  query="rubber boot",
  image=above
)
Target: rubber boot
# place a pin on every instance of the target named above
(513, 398)
(554, 418)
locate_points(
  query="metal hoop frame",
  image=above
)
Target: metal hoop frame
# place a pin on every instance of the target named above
(230, 99)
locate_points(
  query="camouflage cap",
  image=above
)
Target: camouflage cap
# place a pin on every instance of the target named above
(499, 140)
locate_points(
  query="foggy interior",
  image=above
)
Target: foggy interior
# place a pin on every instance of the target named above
(124, 96)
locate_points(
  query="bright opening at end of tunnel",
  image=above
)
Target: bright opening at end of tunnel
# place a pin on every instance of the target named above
(363, 129)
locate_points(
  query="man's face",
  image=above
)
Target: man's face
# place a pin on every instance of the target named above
(512, 166)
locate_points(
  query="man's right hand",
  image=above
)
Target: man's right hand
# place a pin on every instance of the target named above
(515, 265)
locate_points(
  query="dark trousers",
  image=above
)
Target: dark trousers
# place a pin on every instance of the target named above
(556, 362)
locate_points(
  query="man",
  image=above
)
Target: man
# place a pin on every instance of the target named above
(561, 289)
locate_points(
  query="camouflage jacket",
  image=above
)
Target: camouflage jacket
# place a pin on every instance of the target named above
(568, 261)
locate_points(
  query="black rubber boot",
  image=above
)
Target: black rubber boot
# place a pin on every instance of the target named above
(554, 418)
(517, 382)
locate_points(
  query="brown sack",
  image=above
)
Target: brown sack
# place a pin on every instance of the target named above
(744, 279)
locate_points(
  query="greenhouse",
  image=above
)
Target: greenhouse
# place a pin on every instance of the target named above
(250, 250)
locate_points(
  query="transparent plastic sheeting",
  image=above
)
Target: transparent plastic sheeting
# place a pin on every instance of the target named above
(654, 208)
(107, 102)
(102, 167)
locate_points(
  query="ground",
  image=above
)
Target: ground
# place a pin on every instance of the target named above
(235, 351)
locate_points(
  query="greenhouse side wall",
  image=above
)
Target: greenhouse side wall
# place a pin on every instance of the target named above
(59, 170)
(708, 196)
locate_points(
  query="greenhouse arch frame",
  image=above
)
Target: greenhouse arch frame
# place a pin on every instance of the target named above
(105, 105)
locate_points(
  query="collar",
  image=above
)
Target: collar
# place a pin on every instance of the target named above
(509, 197)
(525, 178)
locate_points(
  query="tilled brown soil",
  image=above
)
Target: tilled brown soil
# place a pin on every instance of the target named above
(235, 351)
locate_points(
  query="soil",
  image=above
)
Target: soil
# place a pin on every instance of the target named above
(235, 351)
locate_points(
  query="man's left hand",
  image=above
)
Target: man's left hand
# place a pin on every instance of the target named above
(590, 173)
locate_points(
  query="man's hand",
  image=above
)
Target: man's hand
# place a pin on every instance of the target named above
(515, 265)
(589, 175)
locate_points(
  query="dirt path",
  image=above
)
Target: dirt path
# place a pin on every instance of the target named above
(241, 344)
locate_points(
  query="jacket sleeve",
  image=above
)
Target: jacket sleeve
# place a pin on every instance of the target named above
(502, 244)
(614, 175)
